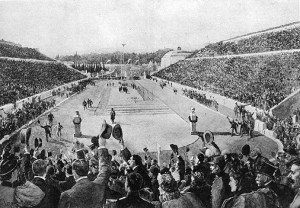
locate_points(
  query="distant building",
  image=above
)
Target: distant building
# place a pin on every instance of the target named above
(173, 56)
(2, 41)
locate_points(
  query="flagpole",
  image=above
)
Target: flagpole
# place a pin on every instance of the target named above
(122, 62)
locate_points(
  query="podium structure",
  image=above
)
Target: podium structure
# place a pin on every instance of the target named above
(77, 124)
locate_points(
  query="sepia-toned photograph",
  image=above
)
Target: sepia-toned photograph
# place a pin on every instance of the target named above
(149, 103)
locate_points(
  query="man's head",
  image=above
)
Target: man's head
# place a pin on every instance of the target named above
(294, 175)
(39, 167)
(256, 152)
(135, 160)
(265, 174)
(134, 182)
(217, 165)
(59, 165)
(80, 168)
(154, 162)
(262, 179)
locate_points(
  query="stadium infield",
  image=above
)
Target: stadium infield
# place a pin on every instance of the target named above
(158, 122)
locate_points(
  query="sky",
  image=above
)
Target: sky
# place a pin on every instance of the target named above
(87, 26)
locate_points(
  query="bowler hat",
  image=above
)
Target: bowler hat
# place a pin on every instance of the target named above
(174, 148)
(154, 169)
(246, 149)
(267, 169)
(125, 153)
(105, 131)
(117, 132)
(7, 166)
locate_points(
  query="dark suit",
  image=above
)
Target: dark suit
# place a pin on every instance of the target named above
(86, 193)
(143, 172)
(133, 200)
(65, 185)
(51, 198)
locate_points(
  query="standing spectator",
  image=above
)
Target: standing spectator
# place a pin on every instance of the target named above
(133, 184)
(60, 174)
(153, 173)
(69, 181)
(7, 167)
(112, 116)
(220, 189)
(39, 168)
(137, 166)
(86, 193)
(295, 183)
(47, 129)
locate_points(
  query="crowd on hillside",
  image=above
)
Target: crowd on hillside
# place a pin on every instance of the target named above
(93, 176)
(271, 41)
(21, 79)
(21, 52)
(262, 81)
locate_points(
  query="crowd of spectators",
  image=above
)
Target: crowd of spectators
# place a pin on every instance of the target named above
(13, 120)
(17, 118)
(7, 50)
(21, 79)
(287, 130)
(262, 81)
(94, 176)
(287, 39)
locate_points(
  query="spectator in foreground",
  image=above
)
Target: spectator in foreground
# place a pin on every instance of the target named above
(171, 197)
(39, 168)
(137, 166)
(295, 181)
(86, 193)
(133, 185)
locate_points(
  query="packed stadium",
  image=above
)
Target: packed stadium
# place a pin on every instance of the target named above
(178, 104)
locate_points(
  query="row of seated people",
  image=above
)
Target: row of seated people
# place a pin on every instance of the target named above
(21, 52)
(21, 79)
(98, 177)
(262, 81)
(271, 41)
